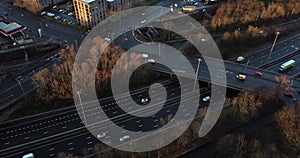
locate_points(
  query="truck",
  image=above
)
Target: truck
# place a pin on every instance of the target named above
(30, 155)
(287, 65)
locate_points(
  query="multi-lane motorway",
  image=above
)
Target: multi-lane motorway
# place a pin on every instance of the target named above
(62, 130)
(46, 135)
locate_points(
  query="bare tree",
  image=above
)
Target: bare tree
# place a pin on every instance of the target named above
(283, 85)
(288, 120)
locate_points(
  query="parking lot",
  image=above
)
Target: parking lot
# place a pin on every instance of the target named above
(67, 17)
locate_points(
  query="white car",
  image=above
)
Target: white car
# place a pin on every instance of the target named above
(43, 13)
(145, 56)
(101, 135)
(143, 21)
(57, 17)
(205, 99)
(143, 14)
(152, 61)
(107, 39)
(50, 14)
(124, 138)
(70, 14)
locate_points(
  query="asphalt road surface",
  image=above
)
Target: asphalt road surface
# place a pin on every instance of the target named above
(46, 135)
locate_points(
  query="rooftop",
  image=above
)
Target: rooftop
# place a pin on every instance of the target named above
(9, 27)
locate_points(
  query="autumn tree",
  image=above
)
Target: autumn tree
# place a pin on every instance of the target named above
(247, 105)
(31, 5)
(283, 85)
(56, 82)
(288, 120)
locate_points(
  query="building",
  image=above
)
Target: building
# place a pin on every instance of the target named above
(47, 3)
(90, 12)
(12, 30)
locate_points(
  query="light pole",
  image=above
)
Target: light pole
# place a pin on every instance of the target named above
(197, 73)
(246, 67)
(159, 49)
(271, 50)
(76, 45)
(78, 93)
(20, 86)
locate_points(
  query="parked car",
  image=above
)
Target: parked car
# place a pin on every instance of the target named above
(257, 73)
(50, 14)
(43, 13)
(62, 11)
(143, 21)
(57, 17)
(70, 14)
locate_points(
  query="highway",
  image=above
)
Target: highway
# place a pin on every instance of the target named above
(281, 49)
(294, 71)
(62, 130)
(48, 131)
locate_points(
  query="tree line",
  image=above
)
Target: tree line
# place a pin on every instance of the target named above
(245, 12)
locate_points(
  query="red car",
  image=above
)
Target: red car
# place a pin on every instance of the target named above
(289, 95)
(257, 73)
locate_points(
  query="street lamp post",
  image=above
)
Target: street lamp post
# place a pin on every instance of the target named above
(78, 93)
(197, 73)
(159, 49)
(20, 86)
(271, 50)
(246, 67)
(76, 45)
